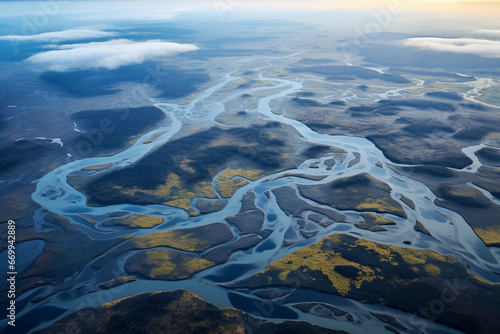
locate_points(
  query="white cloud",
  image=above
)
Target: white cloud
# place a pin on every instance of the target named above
(60, 36)
(110, 55)
(480, 47)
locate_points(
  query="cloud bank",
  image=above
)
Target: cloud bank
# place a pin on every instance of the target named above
(109, 55)
(60, 36)
(479, 47)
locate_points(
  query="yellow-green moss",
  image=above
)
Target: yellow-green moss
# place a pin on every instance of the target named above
(314, 258)
(432, 270)
(153, 138)
(379, 220)
(227, 186)
(97, 167)
(173, 192)
(168, 264)
(88, 220)
(379, 204)
(179, 239)
(490, 235)
(327, 254)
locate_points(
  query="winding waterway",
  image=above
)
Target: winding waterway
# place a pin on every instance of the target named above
(451, 233)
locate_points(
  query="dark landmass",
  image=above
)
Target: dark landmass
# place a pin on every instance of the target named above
(445, 95)
(222, 253)
(348, 73)
(112, 129)
(374, 223)
(463, 195)
(421, 228)
(416, 277)
(472, 133)
(408, 202)
(166, 264)
(318, 151)
(489, 156)
(489, 179)
(433, 171)
(307, 102)
(290, 202)
(183, 168)
(250, 218)
(420, 104)
(27, 153)
(318, 127)
(420, 151)
(473, 106)
(361, 192)
(210, 205)
(424, 129)
(392, 107)
(356, 160)
(117, 282)
(306, 94)
(196, 239)
(407, 130)
(180, 311)
(172, 82)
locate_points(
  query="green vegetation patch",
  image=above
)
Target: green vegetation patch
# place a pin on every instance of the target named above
(166, 264)
(135, 221)
(231, 180)
(401, 278)
(196, 239)
(369, 266)
(374, 222)
(182, 169)
(490, 235)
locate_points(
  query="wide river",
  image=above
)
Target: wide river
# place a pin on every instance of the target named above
(451, 234)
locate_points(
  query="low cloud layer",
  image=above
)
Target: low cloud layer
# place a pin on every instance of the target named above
(479, 47)
(60, 36)
(109, 55)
